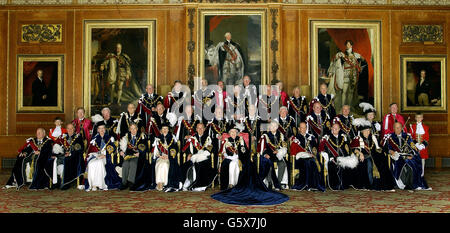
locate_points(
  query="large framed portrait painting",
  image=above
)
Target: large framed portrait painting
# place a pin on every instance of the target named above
(346, 55)
(119, 61)
(232, 45)
(423, 82)
(39, 83)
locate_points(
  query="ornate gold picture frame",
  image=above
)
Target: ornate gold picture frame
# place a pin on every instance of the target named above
(248, 51)
(40, 83)
(353, 73)
(423, 83)
(114, 77)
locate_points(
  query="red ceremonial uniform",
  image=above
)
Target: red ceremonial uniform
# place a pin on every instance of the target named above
(424, 138)
(388, 123)
(63, 131)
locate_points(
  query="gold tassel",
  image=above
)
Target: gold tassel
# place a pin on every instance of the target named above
(212, 160)
(318, 164)
(118, 158)
(293, 170)
(375, 171)
(30, 175)
(178, 158)
(257, 162)
(184, 157)
(51, 182)
(78, 181)
(389, 160)
(240, 165)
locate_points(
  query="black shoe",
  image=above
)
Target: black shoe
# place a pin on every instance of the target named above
(123, 186)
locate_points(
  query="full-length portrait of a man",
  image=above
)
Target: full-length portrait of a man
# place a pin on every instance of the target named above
(118, 66)
(231, 61)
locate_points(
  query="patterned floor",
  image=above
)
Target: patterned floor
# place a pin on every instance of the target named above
(69, 201)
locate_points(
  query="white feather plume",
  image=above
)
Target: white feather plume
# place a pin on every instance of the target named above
(281, 153)
(200, 156)
(347, 161)
(240, 126)
(303, 155)
(358, 122)
(172, 118)
(123, 144)
(366, 106)
(57, 149)
(97, 118)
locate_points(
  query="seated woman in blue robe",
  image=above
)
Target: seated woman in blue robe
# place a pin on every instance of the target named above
(232, 150)
(167, 173)
(365, 147)
(69, 147)
(406, 164)
(304, 148)
(250, 189)
(31, 163)
(101, 161)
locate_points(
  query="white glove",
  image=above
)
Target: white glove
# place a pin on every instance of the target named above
(420, 146)
(377, 126)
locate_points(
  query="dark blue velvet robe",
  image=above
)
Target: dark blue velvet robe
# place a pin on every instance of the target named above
(72, 163)
(250, 189)
(41, 179)
(415, 164)
(112, 179)
(311, 175)
(175, 175)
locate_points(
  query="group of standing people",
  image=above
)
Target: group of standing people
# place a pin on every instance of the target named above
(306, 146)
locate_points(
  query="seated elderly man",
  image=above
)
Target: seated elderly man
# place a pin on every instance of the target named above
(405, 162)
(339, 162)
(273, 167)
(304, 148)
(31, 163)
(198, 171)
(101, 162)
(133, 149)
(68, 158)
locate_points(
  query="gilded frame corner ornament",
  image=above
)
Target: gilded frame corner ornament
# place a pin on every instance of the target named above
(89, 25)
(373, 25)
(404, 60)
(21, 59)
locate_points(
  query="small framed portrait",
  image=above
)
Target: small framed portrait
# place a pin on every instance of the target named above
(423, 82)
(40, 83)
(346, 55)
(233, 45)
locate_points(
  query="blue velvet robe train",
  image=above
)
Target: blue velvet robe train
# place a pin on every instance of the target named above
(250, 189)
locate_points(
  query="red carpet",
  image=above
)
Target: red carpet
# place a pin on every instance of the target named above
(72, 200)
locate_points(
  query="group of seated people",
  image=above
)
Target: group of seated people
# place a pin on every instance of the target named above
(308, 146)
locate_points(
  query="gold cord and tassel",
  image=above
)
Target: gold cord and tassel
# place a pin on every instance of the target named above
(257, 162)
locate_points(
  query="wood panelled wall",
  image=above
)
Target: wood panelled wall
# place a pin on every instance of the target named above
(172, 36)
